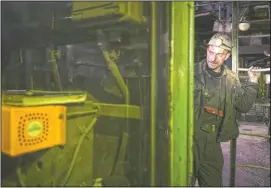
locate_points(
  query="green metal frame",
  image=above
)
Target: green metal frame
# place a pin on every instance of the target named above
(181, 93)
(153, 92)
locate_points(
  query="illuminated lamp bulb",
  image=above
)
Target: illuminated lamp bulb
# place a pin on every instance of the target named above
(244, 26)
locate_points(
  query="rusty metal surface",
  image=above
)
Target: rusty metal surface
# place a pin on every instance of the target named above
(250, 150)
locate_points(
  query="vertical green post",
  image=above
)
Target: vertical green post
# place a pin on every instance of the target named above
(153, 91)
(191, 91)
(181, 93)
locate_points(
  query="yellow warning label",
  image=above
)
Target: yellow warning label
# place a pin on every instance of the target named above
(34, 128)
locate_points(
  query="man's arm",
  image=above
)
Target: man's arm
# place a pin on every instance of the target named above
(245, 95)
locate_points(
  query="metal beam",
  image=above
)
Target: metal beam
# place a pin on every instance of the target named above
(155, 51)
(119, 110)
(190, 124)
(247, 50)
(251, 3)
(233, 145)
(180, 93)
(235, 65)
(235, 41)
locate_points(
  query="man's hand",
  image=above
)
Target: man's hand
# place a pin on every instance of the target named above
(253, 74)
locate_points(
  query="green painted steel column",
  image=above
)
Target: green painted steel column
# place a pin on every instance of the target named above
(191, 92)
(181, 93)
(153, 91)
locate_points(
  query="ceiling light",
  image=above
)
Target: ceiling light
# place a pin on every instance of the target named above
(244, 26)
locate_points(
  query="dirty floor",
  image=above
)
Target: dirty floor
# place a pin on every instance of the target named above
(250, 150)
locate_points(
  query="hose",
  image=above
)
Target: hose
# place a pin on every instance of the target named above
(256, 135)
(77, 149)
(252, 166)
(19, 173)
(20, 177)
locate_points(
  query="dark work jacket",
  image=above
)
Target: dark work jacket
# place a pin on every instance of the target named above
(237, 98)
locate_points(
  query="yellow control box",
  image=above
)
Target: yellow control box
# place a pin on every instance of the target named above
(29, 129)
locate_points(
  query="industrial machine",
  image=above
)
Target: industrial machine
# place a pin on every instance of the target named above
(101, 93)
(85, 97)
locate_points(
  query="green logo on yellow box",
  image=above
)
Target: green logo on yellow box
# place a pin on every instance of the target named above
(34, 128)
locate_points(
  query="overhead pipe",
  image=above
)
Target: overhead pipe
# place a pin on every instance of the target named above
(258, 70)
(207, 4)
(255, 36)
(260, 6)
(252, 4)
(201, 5)
(255, 21)
(203, 14)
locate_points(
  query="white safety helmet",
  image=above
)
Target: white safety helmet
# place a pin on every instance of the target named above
(221, 40)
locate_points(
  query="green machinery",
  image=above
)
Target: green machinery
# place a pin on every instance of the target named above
(166, 24)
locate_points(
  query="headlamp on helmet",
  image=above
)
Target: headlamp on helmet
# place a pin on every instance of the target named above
(221, 40)
(218, 42)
